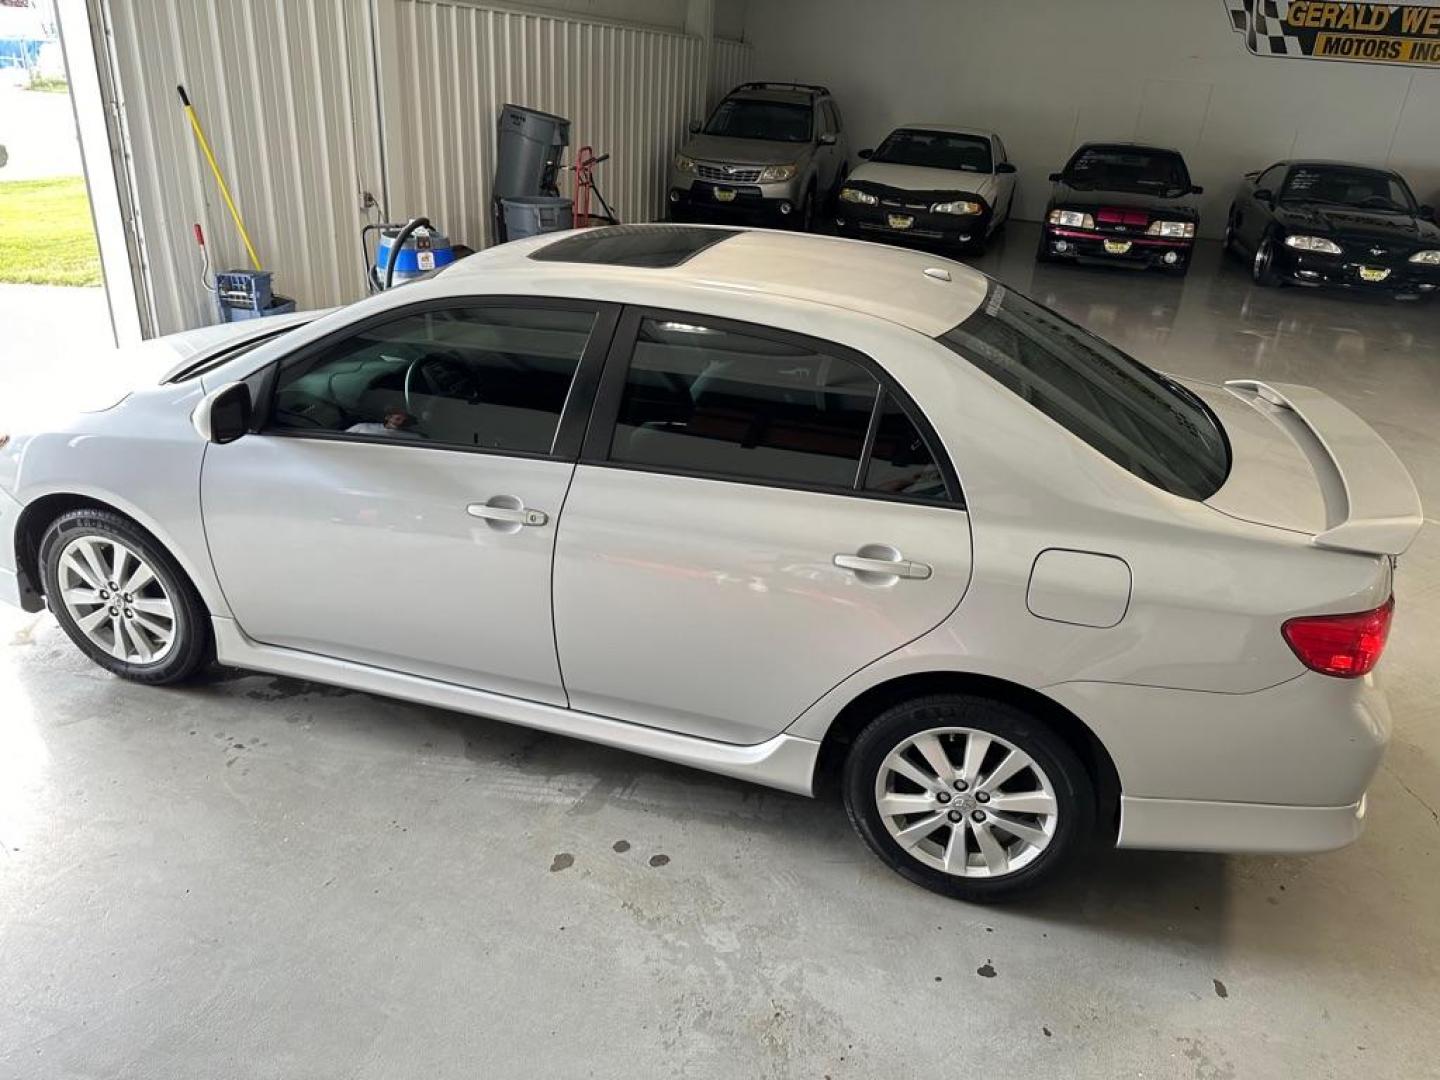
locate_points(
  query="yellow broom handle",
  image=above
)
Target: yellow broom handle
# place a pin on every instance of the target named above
(214, 168)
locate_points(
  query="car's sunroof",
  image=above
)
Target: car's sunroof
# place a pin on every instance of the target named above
(634, 245)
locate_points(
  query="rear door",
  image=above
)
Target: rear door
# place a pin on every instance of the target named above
(755, 517)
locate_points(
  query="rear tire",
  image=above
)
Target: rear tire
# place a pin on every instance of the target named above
(122, 599)
(1007, 770)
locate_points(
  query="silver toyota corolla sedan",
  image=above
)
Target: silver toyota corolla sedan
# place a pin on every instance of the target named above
(800, 510)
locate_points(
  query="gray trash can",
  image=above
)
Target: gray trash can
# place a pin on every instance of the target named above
(532, 215)
(531, 145)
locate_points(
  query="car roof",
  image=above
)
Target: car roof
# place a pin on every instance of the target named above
(948, 129)
(1107, 143)
(789, 97)
(923, 292)
(1328, 162)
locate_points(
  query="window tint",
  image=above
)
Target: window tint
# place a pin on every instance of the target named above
(901, 463)
(754, 118)
(705, 400)
(1134, 416)
(495, 378)
(935, 150)
(1344, 185)
(1128, 168)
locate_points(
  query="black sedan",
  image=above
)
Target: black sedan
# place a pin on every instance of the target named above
(1122, 203)
(1329, 223)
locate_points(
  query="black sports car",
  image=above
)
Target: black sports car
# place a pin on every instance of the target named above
(1122, 203)
(1329, 223)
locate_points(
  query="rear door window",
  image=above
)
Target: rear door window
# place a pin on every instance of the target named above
(712, 400)
(1136, 417)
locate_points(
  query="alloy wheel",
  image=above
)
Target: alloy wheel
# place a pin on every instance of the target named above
(966, 802)
(1263, 256)
(116, 600)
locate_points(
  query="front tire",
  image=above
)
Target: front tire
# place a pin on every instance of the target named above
(122, 599)
(1262, 267)
(971, 798)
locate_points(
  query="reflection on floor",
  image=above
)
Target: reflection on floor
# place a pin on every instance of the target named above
(259, 876)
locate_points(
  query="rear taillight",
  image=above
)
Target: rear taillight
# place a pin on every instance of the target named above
(1346, 646)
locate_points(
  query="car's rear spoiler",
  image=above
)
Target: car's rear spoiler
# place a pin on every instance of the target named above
(1371, 504)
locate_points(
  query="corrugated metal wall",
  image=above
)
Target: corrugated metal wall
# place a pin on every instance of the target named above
(627, 91)
(288, 93)
(729, 66)
(283, 91)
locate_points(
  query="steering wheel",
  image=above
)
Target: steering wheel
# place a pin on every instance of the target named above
(459, 378)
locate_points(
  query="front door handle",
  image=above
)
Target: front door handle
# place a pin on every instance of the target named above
(507, 515)
(880, 565)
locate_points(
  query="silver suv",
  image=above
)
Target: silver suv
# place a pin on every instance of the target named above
(771, 154)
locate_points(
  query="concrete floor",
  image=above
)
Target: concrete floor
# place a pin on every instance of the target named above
(258, 877)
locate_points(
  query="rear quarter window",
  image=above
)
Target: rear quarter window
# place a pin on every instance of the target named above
(1135, 416)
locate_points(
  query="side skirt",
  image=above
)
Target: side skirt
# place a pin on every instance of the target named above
(785, 761)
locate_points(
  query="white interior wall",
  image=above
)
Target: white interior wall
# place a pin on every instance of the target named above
(287, 94)
(1049, 74)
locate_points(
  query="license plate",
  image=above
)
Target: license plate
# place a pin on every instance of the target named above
(899, 221)
(1116, 247)
(724, 194)
(1373, 273)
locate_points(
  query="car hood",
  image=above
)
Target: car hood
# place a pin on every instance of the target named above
(745, 151)
(1356, 224)
(919, 178)
(1182, 206)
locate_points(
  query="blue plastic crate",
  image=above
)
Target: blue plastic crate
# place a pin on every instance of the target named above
(244, 290)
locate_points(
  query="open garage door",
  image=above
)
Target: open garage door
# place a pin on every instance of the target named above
(328, 114)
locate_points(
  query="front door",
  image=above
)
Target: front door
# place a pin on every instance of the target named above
(756, 516)
(398, 506)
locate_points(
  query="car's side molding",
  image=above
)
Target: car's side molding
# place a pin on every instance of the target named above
(786, 762)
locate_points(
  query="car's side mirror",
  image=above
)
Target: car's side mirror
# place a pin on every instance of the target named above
(1196, 189)
(867, 154)
(1264, 195)
(1005, 167)
(224, 415)
(694, 127)
(827, 138)
(1056, 177)
(1427, 213)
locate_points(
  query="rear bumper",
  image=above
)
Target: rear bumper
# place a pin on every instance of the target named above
(1339, 272)
(1280, 769)
(1192, 825)
(1151, 252)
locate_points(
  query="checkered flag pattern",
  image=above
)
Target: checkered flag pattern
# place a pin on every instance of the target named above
(1263, 24)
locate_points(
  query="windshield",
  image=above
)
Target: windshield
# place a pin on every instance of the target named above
(1341, 185)
(750, 118)
(1136, 417)
(935, 150)
(1128, 168)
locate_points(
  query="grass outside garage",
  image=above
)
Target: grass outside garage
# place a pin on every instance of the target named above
(46, 233)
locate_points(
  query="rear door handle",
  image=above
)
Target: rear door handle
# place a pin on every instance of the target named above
(509, 515)
(864, 564)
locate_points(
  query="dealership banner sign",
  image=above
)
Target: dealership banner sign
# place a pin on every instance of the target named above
(1361, 33)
